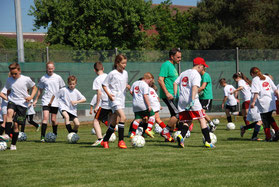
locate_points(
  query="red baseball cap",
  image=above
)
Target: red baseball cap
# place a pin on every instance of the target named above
(199, 60)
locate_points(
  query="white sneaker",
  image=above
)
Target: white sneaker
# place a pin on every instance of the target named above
(97, 143)
(13, 147)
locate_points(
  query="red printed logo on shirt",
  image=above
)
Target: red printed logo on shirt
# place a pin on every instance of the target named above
(184, 81)
(152, 93)
(266, 86)
(231, 89)
(137, 89)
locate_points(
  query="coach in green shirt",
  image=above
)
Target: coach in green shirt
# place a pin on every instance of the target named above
(168, 74)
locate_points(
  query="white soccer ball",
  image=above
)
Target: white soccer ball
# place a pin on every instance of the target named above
(213, 138)
(175, 134)
(157, 128)
(22, 136)
(216, 121)
(93, 131)
(50, 137)
(3, 146)
(112, 137)
(138, 141)
(73, 137)
(230, 126)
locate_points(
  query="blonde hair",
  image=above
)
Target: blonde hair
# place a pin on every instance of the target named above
(49, 62)
(148, 75)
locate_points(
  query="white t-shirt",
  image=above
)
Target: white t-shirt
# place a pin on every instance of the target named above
(253, 113)
(116, 83)
(19, 89)
(186, 81)
(97, 85)
(246, 91)
(231, 100)
(50, 85)
(153, 98)
(139, 89)
(1, 117)
(265, 89)
(4, 102)
(65, 96)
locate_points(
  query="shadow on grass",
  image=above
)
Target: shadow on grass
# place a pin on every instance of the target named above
(238, 139)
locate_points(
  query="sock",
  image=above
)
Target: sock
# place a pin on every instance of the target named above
(22, 128)
(162, 125)
(250, 126)
(180, 126)
(43, 130)
(274, 126)
(267, 133)
(205, 133)
(8, 128)
(109, 133)
(121, 131)
(184, 130)
(14, 138)
(191, 127)
(211, 123)
(229, 119)
(54, 129)
(134, 127)
(256, 131)
(2, 129)
(75, 131)
(69, 128)
(245, 120)
(34, 123)
(151, 122)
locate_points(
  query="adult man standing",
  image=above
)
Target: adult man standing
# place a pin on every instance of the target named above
(168, 74)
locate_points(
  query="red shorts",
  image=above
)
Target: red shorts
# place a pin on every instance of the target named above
(277, 107)
(245, 104)
(190, 115)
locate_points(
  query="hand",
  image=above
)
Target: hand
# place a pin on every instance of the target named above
(34, 103)
(111, 97)
(252, 105)
(49, 104)
(90, 112)
(161, 108)
(74, 103)
(189, 106)
(149, 108)
(237, 100)
(95, 110)
(128, 87)
(28, 99)
(169, 96)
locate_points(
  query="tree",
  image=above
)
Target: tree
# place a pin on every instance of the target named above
(94, 24)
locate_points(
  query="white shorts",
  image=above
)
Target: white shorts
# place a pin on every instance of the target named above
(117, 104)
(156, 108)
(253, 114)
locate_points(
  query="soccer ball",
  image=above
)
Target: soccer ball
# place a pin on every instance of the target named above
(230, 126)
(138, 141)
(139, 131)
(157, 128)
(93, 131)
(3, 146)
(213, 138)
(175, 134)
(216, 121)
(112, 137)
(22, 136)
(73, 137)
(50, 137)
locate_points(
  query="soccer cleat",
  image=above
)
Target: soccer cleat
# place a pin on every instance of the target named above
(4, 138)
(149, 133)
(97, 143)
(42, 139)
(180, 141)
(105, 144)
(275, 138)
(256, 139)
(132, 135)
(13, 147)
(242, 131)
(209, 145)
(122, 145)
(38, 128)
(167, 136)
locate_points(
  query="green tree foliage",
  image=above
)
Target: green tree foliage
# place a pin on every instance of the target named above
(223, 24)
(94, 24)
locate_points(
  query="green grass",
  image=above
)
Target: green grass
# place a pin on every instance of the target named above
(234, 162)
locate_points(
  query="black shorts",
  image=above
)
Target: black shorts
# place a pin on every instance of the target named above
(72, 117)
(52, 110)
(172, 107)
(206, 104)
(102, 114)
(231, 108)
(20, 112)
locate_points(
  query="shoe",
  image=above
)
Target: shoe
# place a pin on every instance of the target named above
(256, 139)
(4, 138)
(42, 139)
(122, 145)
(13, 147)
(167, 136)
(242, 131)
(209, 145)
(212, 128)
(180, 141)
(268, 140)
(97, 143)
(149, 133)
(132, 135)
(38, 128)
(105, 144)
(275, 138)
(176, 129)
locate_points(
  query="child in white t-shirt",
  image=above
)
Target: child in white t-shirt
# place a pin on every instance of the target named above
(229, 99)
(68, 98)
(4, 104)
(29, 117)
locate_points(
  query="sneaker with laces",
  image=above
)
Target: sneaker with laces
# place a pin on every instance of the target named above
(167, 136)
(180, 141)
(256, 139)
(38, 128)
(122, 145)
(209, 145)
(242, 131)
(13, 147)
(4, 138)
(42, 139)
(149, 133)
(105, 144)
(97, 143)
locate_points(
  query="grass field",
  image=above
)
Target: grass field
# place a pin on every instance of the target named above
(234, 162)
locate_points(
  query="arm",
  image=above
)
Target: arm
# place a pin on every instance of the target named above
(163, 87)
(37, 97)
(194, 92)
(146, 99)
(33, 93)
(91, 109)
(51, 100)
(175, 88)
(99, 95)
(79, 101)
(128, 87)
(202, 87)
(110, 96)
(256, 95)
(236, 90)
(5, 97)
(224, 101)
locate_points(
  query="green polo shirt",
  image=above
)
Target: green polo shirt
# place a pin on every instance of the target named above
(207, 92)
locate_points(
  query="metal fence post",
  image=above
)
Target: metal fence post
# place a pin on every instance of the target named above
(115, 51)
(237, 70)
(47, 54)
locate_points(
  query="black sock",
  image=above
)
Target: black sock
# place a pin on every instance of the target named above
(54, 129)
(109, 133)
(121, 131)
(43, 130)
(131, 127)
(8, 128)
(14, 138)
(34, 123)
(180, 126)
(250, 126)
(205, 133)
(69, 128)
(75, 131)
(229, 119)
(99, 138)
(144, 125)
(2, 129)
(22, 128)
(256, 131)
(184, 129)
